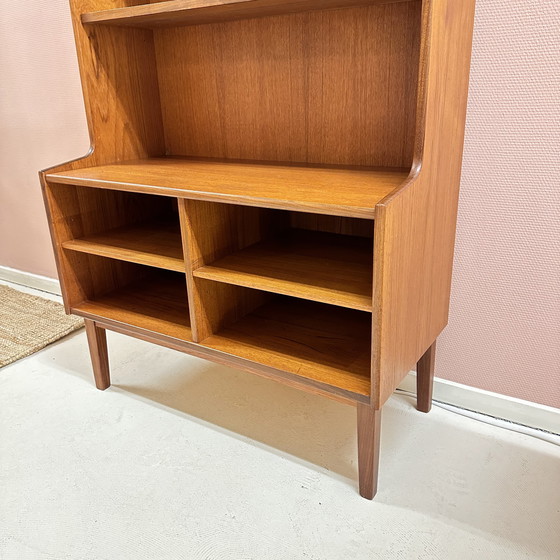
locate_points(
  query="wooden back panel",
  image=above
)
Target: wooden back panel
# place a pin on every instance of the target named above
(415, 226)
(326, 87)
(332, 224)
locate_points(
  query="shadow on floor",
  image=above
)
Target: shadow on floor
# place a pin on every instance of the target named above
(477, 476)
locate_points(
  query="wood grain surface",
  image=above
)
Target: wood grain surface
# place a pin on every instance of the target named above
(211, 231)
(308, 385)
(193, 12)
(155, 244)
(78, 212)
(157, 303)
(312, 340)
(425, 379)
(254, 120)
(415, 226)
(97, 342)
(119, 81)
(327, 87)
(369, 436)
(336, 191)
(318, 266)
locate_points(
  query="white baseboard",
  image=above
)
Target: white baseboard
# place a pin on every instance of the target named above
(492, 404)
(30, 280)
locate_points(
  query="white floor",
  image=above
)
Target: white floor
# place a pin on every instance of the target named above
(184, 459)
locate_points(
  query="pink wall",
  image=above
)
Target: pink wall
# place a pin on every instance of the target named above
(504, 328)
(504, 331)
(42, 123)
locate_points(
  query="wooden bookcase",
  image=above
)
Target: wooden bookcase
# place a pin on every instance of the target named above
(272, 185)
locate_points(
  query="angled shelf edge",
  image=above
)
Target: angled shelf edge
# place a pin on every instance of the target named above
(337, 191)
(197, 12)
(154, 244)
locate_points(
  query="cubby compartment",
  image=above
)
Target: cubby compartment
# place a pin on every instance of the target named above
(315, 342)
(311, 256)
(127, 294)
(132, 227)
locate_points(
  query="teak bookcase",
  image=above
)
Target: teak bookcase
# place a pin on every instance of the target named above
(272, 185)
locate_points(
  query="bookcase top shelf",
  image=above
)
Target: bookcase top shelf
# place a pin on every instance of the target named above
(335, 191)
(196, 12)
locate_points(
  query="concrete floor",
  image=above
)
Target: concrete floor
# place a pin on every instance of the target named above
(185, 459)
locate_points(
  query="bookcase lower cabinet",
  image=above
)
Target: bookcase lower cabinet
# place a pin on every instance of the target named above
(272, 186)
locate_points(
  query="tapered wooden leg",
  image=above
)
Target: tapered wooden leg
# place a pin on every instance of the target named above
(369, 429)
(97, 341)
(425, 379)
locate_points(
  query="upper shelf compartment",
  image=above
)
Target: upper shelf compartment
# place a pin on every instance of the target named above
(333, 190)
(195, 12)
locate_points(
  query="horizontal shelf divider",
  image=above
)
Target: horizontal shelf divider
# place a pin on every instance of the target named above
(324, 267)
(336, 191)
(153, 244)
(196, 12)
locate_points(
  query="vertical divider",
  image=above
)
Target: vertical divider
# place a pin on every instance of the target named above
(210, 231)
(199, 323)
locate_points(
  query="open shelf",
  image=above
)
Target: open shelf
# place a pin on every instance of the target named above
(154, 244)
(158, 303)
(194, 12)
(314, 341)
(313, 265)
(327, 190)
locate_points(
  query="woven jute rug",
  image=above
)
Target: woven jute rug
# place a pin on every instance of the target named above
(29, 323)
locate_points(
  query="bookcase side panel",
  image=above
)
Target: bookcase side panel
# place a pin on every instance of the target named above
(120, 88)
(415, 226)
